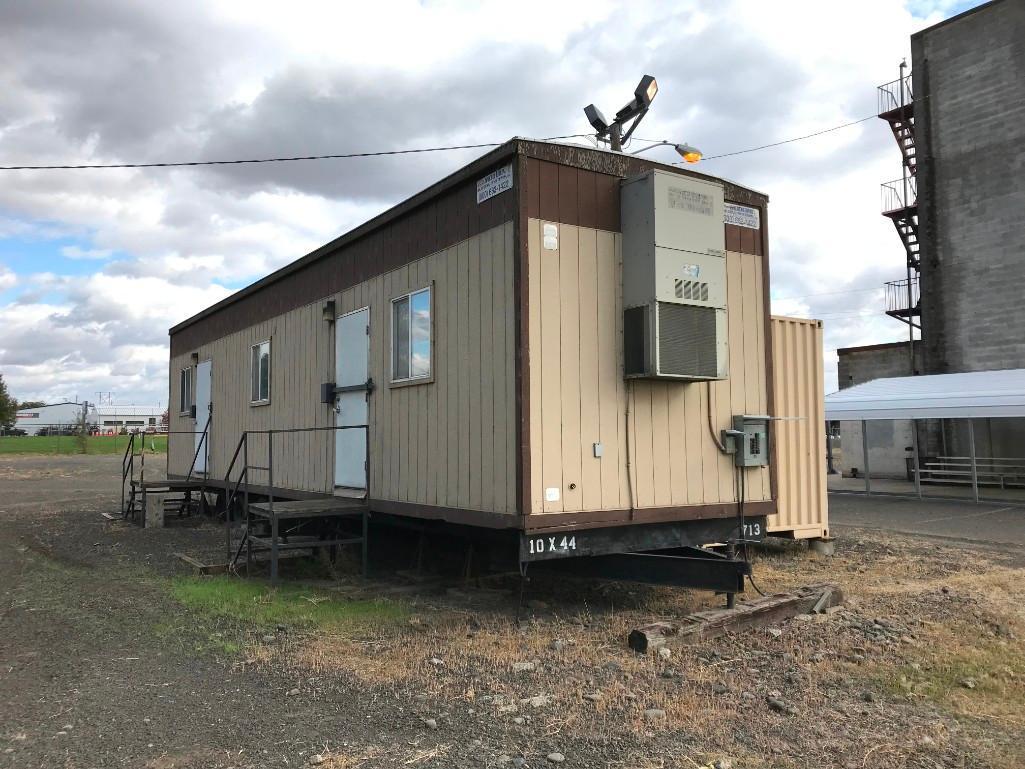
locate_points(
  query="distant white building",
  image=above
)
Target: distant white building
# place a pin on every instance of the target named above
(131, 418)
(54, 418)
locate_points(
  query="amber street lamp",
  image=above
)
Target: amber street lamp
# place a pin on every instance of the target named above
(689, 153)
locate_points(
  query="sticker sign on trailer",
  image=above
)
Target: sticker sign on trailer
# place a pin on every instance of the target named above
(494, 183)
(742, 216)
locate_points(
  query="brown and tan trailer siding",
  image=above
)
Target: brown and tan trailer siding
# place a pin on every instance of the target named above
(579, 396)
(419, 455)
(527, 365)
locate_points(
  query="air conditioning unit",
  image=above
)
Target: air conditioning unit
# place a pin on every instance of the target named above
(674, 277)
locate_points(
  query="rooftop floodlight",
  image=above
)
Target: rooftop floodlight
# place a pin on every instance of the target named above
(646, 90)
(635, 110)
(688, 153)
(596, 119)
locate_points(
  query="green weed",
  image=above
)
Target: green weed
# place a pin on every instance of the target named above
(262, 606)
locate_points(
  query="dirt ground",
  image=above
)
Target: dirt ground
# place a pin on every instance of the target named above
(112, 655)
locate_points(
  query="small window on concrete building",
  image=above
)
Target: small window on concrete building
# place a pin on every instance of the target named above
(261, 373)
(411, 336)
(185, 391)
(153, 421)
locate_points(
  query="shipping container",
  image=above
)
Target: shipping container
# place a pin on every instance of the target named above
(800, 429)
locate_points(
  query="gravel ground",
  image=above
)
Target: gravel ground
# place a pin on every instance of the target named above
(101, 667)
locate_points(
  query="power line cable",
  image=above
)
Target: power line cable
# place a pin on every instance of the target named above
(773, 144)
(790, 141)
(384, 153)
(341, 156)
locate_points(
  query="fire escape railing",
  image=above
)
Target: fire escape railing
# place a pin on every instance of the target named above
(899, 299)
(888, 95)
(895, 196)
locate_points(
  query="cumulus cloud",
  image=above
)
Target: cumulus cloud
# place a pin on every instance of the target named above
(77, 252)
(7, 278)
(197, 80)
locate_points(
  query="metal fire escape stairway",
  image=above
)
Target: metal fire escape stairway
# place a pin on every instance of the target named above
(900, 197)
(902, 122)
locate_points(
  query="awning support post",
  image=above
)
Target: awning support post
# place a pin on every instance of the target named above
(830, 469)
(914, 457)
(975, 465)
(864, 452)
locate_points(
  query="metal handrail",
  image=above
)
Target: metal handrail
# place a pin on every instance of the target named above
(243, 449)
(203, 444)
(127, 468)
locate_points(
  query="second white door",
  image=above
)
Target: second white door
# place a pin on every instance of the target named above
(352, 357)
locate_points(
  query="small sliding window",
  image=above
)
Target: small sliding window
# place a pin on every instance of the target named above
(260, 373)
(185, 390)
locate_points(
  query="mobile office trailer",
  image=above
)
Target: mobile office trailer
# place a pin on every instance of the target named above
(548, 343)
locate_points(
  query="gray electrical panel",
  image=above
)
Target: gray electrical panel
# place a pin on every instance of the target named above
(751, 440)
(674, 277)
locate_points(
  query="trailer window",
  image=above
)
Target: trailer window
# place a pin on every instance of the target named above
(411, 336)
(185, 391)
(261, 373)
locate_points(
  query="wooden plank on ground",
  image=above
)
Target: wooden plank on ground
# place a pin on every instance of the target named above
(200, 567)
(705, 625)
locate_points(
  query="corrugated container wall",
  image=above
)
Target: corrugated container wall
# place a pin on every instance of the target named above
(799, 434)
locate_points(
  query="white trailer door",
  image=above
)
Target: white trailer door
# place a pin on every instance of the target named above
(204, 372)
(352, 358)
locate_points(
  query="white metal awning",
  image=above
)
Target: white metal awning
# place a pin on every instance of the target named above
(977, 394)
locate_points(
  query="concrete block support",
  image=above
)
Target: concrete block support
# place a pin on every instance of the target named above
(153, 510)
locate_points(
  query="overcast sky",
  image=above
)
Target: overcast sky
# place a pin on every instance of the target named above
(95, 266)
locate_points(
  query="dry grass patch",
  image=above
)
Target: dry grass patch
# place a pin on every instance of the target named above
(876, 684)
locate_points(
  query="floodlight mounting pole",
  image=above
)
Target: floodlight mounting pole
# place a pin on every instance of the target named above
(616, 136)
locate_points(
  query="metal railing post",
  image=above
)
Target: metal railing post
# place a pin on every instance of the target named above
(975, 465)
(914, 458)
(270, 509)
(366, 510)
(864, 451)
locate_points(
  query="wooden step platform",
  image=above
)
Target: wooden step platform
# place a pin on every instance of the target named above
(301, 542)
(286, 518)
(194, 485)
(337, 507)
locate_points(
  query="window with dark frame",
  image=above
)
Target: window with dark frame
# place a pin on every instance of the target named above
(411, 336)
(260, 372)
(185, 391)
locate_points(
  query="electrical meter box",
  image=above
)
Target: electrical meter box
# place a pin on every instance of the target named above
(751, 441)
(674, 277)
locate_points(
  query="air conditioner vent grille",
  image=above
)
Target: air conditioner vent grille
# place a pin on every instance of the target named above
(691, 290)
(687, 340)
